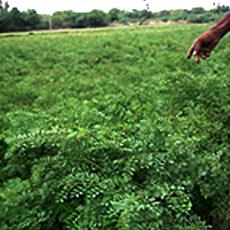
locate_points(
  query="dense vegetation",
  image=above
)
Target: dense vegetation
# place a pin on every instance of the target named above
(114, 129)
(14, 20)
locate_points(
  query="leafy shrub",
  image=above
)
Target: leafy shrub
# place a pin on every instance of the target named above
(120, 132)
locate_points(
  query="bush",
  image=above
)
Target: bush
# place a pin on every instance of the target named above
(113, 129)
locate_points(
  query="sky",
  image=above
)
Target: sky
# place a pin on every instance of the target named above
(50, 6)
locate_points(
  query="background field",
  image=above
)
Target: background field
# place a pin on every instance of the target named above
(114, 129)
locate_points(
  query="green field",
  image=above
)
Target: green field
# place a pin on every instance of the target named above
(114, 129)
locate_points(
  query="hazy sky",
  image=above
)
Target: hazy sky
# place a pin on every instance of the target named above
(50, 6)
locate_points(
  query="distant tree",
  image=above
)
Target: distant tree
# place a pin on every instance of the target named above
(6, 5)
(221, 9)
(97, 18)
(198, 10)
(57, 19)
(4, 19)
(145, 14)
(134, 14)
(123, 17)
(44, 22)
(113, 14)
(31, 19)
(203, 18)
(81, 20)
(16, 22)
(64, 19)
(164, 15)
(138, 15)
(177, 15)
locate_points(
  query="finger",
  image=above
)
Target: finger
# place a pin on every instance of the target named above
(204, 56)
(190, 52)
(207, 54)
(197, 52)
(197, 58)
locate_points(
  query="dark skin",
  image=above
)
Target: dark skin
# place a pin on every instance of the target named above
(206, 42)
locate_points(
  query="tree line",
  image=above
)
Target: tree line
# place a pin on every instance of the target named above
(12, 19)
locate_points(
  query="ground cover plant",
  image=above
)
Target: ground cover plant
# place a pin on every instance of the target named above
(114, 129)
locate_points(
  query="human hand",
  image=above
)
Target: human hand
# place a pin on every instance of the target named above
(204, 45)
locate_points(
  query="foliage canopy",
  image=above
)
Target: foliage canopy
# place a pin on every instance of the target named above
(14, 20)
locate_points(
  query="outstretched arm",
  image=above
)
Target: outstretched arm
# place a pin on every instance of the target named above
(206, 42)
